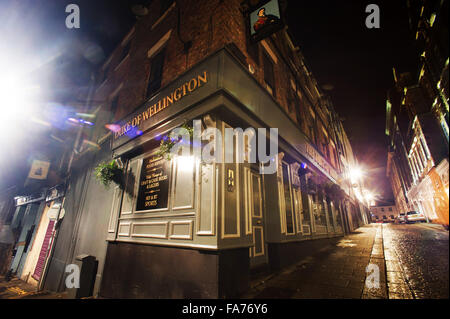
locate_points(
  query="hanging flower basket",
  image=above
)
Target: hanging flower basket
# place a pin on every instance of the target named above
(109, 172)
(169, 141)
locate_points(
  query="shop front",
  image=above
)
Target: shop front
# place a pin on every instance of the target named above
(34, 223)
(183, 227)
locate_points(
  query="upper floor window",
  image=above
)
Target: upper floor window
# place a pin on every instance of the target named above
(126, 51)
(165, 5)
(444, 126)
(156, 71)
(312, 134)
(114, 104)
(105, 74)
(269, 75)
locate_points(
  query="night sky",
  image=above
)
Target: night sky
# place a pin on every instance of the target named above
(332, 35)
(357, 62)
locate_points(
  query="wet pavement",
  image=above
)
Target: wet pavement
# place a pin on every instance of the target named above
(411, 263)
(417, 258)
(18, 289)
(335, 271)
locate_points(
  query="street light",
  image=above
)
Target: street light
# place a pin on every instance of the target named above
(18, 95)
(17, 105)
(355, 174)
(369, 196)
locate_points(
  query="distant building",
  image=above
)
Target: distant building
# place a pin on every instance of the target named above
(384, 213)
(418, 120)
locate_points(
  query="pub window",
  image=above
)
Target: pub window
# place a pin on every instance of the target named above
(382, 209)
(390, 209)
(269, 75)
(165, 5)
(338, 218)
(288, 199)
(156, 71)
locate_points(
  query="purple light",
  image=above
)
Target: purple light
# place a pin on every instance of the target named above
(86, 122)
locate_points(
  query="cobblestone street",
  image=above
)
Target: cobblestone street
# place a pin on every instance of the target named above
(412, 259)
(417, 261)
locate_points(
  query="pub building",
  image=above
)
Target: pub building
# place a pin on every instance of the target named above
(182, 227)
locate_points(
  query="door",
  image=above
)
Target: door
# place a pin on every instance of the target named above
(25, 239)
(258, 252)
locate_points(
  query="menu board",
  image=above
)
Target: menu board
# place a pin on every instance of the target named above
(153, 183)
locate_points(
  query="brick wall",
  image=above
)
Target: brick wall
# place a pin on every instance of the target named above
(209, 25)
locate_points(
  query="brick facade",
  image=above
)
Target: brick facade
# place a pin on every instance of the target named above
(296, 90)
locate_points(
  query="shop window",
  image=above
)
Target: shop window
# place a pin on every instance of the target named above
(269, 75)
(156, 71)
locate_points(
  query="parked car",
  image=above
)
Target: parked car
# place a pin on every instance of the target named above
(401, 218)
(413, 217)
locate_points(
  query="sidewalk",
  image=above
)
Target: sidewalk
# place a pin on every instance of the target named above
(18, 289)
(336, 271)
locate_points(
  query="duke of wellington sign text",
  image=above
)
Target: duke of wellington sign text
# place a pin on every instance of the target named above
(163, 103)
